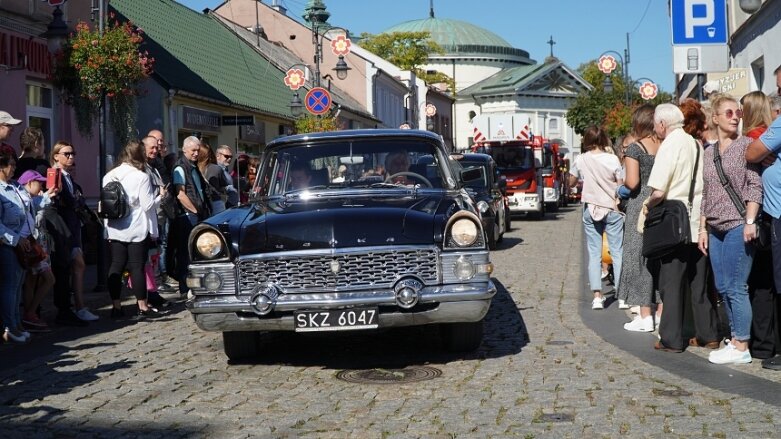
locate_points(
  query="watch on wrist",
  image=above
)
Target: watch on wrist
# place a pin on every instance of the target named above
(749, 221)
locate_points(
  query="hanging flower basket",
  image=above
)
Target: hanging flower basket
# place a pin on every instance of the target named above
(91, 66)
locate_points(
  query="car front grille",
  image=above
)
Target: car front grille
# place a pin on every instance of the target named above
(339, 271)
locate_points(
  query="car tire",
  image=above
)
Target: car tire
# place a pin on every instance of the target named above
(462, 337)
(501, 230)
(508, 221)
(552, 207)
(240, 345)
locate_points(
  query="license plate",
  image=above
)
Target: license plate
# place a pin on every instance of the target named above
(336, 319)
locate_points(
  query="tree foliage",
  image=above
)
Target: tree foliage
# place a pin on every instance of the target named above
(409, 51)
(607, 108)
(315, 124)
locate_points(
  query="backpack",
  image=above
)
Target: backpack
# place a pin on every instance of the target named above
(113, 201)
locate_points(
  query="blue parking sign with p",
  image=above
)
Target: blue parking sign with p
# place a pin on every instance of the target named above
(699, 22)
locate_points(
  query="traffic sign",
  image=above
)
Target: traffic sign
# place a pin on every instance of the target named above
(317, 101)
(698, 22)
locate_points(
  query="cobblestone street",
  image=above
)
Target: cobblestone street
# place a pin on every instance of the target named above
(541, 372)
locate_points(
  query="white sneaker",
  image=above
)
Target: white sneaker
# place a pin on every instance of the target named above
(729, 355)
(86, 315)
(640, 324)
(598, 303)
(634, 309)
(622, 304)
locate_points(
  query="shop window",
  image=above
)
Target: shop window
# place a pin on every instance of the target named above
(40, 111)
(758, 70)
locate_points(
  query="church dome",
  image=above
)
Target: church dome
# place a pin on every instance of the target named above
(461, 39)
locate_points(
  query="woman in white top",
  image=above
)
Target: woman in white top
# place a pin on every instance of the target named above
(601, 174)
(128, 236)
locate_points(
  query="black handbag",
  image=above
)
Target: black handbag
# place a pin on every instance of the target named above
(667, 225)
(762, 241)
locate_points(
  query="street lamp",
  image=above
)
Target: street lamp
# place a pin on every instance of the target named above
(607, 63)
(56, 32)
(297, 74)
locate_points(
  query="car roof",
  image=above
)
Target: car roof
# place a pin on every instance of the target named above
(356, 134)
(476, 157)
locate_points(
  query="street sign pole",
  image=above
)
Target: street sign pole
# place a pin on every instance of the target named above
(699, 35)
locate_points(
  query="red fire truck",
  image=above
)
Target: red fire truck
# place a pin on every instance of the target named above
(534, 168)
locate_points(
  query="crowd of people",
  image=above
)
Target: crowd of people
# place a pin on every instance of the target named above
(718, 159)
(43, 212)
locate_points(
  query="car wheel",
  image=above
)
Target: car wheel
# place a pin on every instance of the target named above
(501, 230)
(552, 207)
(507, 221)
(462, 337)
(240, 345)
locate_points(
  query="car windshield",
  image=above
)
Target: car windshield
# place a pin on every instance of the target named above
(480, 183)
(513, 157)
(345, 164)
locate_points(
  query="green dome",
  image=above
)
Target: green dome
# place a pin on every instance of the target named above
(461, 38)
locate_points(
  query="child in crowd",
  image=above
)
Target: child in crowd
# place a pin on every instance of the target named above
(39, 279)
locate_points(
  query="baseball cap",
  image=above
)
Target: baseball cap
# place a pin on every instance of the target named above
(29, 176)
(6, 119)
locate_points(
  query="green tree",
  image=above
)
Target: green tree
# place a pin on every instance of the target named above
(606, 109)
(409, 51)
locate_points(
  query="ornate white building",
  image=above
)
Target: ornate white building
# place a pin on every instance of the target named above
(493, 77)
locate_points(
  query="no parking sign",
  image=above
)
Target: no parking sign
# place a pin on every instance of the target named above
(318, 101)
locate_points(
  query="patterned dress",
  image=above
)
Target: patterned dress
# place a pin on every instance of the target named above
(636, 286)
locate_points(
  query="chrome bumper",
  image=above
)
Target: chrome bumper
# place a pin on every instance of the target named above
(467, 302)
(524, 202)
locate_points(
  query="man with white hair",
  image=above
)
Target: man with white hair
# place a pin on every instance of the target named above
(188, 185)
(678, 161)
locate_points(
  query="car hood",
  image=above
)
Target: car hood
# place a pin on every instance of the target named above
(285, 225)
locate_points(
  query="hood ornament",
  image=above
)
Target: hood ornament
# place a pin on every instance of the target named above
(335, 266)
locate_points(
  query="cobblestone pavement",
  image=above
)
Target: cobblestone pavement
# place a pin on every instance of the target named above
(539, 373)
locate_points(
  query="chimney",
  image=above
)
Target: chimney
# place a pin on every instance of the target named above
(277, 7)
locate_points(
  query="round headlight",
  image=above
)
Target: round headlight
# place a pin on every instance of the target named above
(482, 206)
(464, 232)
(209, 244)
(212, 281)
(464, 269)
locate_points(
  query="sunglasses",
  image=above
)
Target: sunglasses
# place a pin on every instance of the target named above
(729, 113)
(227, 156)
(68, 154)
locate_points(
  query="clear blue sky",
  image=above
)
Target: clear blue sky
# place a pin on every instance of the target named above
(582, 29)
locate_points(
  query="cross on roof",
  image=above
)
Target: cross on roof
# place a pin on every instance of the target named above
(551, 42)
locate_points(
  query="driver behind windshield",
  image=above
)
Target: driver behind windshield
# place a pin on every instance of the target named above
(396, 162)
(300, 175)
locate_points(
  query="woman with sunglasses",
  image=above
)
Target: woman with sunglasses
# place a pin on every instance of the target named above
(68, 264)
(725, 232)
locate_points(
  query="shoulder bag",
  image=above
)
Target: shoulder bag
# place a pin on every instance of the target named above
(667, 225)
(762, 242)
(35, 253)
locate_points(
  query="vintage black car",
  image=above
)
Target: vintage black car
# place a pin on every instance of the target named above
(488, 193)
(347, 230)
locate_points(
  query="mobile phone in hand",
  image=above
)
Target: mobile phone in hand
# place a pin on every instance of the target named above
(53, 178)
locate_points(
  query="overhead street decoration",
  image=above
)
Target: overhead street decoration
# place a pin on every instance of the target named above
(295, 79)
(55, 2)
(318, 101)
(607, 63)
(404, 126)
(431, 110)
(648, 90)
(340, 45)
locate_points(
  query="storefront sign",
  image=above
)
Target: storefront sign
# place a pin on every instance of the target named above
(735, 82)
(238, 120)
(200, 120)
(254, 133)
(16, 50)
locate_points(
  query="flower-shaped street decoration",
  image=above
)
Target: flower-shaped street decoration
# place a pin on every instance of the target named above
(295, 79)
(648, 90)
(340, 45)
(606, 64)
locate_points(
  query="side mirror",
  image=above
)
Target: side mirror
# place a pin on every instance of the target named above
(471, 174)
